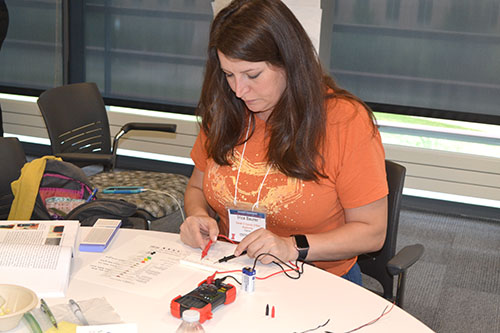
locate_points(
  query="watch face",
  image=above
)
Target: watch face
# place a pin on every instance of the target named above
(301, 241)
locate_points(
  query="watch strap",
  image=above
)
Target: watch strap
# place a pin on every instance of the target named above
(302, 246)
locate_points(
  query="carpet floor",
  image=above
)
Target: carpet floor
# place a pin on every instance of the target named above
(455, 286)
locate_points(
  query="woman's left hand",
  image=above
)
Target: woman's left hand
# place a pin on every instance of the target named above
(263, 241)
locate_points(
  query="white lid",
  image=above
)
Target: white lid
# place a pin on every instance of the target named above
(191, 316)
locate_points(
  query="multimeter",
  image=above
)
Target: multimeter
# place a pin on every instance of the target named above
(205, 298)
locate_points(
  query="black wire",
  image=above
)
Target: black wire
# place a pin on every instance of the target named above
(314, 329)
(272, 255)
(369, 323)
(299, 271)
(229, 276)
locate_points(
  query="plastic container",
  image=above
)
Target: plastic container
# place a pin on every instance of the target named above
(190, 323)
(15, 301)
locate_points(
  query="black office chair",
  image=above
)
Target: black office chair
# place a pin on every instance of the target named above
(13, 159)
(78, 128)
(385, 264)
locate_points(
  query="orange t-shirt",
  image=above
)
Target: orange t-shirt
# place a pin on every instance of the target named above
(354, 163)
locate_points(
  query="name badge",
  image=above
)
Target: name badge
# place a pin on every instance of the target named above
(243, 222)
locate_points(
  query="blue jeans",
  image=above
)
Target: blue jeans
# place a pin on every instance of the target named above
(354, 275)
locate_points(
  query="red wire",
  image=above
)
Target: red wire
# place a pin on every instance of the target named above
(258, 278)
(275, 273)
(227, 238)
(374, 320)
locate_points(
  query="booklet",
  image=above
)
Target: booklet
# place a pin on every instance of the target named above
(37, 254)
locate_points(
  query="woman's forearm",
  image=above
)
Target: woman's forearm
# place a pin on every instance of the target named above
(195, 203)
(363, 232)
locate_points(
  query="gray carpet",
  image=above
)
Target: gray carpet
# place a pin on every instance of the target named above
(455, 287)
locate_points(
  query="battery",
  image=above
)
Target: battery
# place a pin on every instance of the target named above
(248, 283)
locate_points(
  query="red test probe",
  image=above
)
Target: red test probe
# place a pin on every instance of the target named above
(205, 250)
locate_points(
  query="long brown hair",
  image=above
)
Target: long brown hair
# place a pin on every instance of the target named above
(266, 30)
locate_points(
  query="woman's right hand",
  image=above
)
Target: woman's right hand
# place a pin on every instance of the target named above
(196, 231)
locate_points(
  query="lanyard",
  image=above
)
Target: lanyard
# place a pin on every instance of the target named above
(256, 204)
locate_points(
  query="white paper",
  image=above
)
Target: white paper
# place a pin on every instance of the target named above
(114, 328)
(141, 266)
(145, 265)
(222, 249)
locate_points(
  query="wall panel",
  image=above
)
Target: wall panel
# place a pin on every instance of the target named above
(430, 170)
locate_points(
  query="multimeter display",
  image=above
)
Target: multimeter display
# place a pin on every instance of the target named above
(203, 295)
(205, 298)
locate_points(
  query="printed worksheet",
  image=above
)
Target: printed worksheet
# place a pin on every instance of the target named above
(140, 266)
(144, 264)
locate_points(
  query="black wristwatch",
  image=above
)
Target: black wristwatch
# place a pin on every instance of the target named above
(302, 245)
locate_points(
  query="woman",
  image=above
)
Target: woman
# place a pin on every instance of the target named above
(280, 140)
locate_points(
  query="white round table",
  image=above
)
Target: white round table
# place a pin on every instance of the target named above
(300, 305)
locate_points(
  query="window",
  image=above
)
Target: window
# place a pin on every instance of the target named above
(440, 134)
(147, 51)
(395, 54)
(420, 53)
(31, 56)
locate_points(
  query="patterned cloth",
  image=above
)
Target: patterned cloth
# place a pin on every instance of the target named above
(155, 203)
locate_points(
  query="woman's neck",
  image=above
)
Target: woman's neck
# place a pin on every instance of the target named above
(263, 115)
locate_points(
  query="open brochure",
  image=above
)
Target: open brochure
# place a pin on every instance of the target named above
(37, 254)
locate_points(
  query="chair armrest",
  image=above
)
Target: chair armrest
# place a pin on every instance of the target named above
(405, 258)
(169, 128)
(85, 158)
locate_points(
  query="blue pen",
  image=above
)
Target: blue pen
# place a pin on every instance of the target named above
(92, 195)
